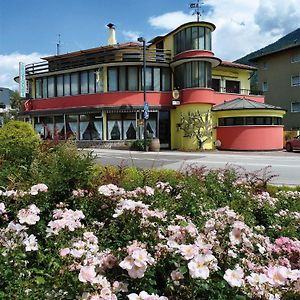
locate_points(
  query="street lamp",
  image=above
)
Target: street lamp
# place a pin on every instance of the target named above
(146, 107)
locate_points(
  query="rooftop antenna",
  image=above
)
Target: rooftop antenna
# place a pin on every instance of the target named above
(58, 46)
(197, 9)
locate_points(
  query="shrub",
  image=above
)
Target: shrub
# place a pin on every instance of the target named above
(62, 168)
(139, 145)
(18, 142)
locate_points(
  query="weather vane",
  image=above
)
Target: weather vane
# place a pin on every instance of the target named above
(197, 9)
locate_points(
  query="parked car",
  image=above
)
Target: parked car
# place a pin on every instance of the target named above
(293, 144)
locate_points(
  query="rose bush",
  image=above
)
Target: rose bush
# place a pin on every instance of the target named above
(81, 231)
(110, 243)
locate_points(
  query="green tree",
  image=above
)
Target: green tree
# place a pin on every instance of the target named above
(198, 125)
(15, 100)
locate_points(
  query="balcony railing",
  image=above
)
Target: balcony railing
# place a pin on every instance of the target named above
(84, 59)
(238, 91)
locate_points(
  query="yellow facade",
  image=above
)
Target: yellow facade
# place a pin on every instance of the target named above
(178, 140)
(227, 73)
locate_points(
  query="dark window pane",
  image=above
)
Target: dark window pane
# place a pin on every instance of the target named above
(238, 121)
(149, 82)
(259, 121)
(156, 79)
(45, 87)
(195, 40)
(51, 87)
(133, 79)
(60, 85)
(112, 79)
(84, 82)
(74, 84)
(229, 121)
(201, 36)
(166, 79)
(67, 84)
(268, 121)
(250, 121)
(38, 88)
(122, 78)
(216, 84)
(92, 81)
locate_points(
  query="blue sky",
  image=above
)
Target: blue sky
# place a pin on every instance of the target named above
(29, 28)
(33, 25)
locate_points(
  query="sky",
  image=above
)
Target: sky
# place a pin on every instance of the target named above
(29, 29)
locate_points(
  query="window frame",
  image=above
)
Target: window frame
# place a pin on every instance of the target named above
(292, 110)
(298, 84)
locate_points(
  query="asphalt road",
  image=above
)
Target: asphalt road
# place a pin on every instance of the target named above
(285, 165)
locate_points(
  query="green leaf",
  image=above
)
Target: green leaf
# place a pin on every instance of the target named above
(39, 280)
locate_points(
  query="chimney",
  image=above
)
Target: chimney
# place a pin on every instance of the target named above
(111, 34)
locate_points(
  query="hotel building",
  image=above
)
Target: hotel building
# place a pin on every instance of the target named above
(96, 95)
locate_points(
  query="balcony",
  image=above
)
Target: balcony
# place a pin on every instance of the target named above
(238, 91)
(89, 58)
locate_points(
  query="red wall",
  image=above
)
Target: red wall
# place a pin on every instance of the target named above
(187, 96)
(209, 96)
(103, 99)
(250, 137)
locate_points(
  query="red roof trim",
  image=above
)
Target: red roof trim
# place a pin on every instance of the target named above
(236, 65)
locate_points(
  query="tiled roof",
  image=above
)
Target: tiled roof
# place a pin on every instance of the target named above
(237, 65)
(243, 103)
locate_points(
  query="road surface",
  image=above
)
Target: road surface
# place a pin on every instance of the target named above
(285, 165)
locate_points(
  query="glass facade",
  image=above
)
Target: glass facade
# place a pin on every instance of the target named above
(85, 82)
(130, 78)
(192, 38)
(193, 74)
(248, 121)
(81, 127)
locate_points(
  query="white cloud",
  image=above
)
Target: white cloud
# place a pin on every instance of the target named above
(278, 17)
(131, 36)
(170, 20)
(10, 67)
(241, 26)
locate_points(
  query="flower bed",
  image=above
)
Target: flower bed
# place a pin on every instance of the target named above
(70, 229)
(201, 237)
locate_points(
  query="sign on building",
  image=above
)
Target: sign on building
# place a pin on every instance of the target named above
(22, 80)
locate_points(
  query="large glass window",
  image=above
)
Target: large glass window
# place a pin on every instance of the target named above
(67, 87)
(69, 84)
(84, 82)
(45, 87)
(38, 88)
(156, 79)
(121, 126)
(51, 86)
(165, 79)
(91, 81)
(122, 78)
(195, 37)
(193, 74)
(133, 79)
(127, 78)
(60, 85)
(74, 84)
(112, 79)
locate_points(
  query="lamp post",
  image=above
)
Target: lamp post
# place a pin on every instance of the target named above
(146, 108)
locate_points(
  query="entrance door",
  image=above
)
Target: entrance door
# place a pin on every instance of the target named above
(164, 129)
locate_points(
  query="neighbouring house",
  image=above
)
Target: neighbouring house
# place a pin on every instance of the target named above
(96, 95)
(4, 103)
(278, 75)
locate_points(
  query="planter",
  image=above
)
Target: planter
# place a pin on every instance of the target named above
(155, 145)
